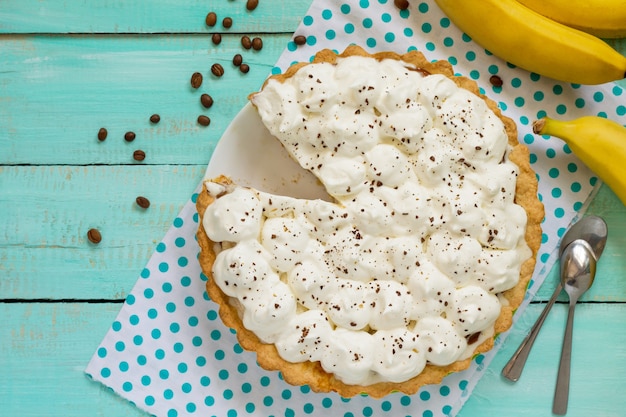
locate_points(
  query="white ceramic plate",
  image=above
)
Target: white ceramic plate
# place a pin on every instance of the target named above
(251, 156)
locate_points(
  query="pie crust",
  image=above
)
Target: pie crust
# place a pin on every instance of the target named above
(312, 373)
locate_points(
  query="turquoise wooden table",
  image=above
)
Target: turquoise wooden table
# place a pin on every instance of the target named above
(68, 69)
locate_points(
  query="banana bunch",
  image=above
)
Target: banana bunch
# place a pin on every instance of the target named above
(598, 142)
(602, 18)
(534, 42)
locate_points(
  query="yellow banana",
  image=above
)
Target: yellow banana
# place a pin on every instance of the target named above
(603, 18)
(536, 43)
(598, 142)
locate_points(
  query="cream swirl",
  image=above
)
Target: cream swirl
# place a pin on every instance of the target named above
(424, 233)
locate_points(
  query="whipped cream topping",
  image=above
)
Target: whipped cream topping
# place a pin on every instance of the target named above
(405, 267)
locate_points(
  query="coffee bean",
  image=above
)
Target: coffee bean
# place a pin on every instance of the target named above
(246, 42)
(155, 118)
(102, 134)
(204, 120)
(206, 100)
(257, 44)
(252, 4)
(299, 40)
(401, 4)
(196, 80)
(244, 68)
(216, 38)
(211, 19)
(217, 70)
(496, 81)
(227, 22)
(139, 155)
(94, 236)
(129, 136)
(142, 202)
(237, 60)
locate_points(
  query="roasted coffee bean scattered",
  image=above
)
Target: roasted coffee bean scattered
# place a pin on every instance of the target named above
(237, 60)
(216, 38)
(142, 202)
(257, 44)
(196, 80)
(244, 68)
(129, 136)
(252, 4)
(155, 118)
(401, 4)
(206, 100)
(211, 19)
(217, 70)
(94, 236)
(227, 22)
(102, 134)
(299, 40)
(246, 42)
(204, 120)
(139, 155)
(496, 81)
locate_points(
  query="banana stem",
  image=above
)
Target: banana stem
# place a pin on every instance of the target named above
(598, 142)
(538, 126)
(559, 128)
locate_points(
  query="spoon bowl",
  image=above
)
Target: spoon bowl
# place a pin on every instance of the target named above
(594, 231)
(578, 269)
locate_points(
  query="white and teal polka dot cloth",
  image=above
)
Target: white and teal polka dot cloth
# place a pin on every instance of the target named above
(168, 353)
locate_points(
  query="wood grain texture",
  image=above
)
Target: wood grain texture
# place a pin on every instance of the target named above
(57, 93)
(610, 282)
(68, 68)
(47, 211)
(597, 374)
(146, 16)
(50, 222)
(45, 347)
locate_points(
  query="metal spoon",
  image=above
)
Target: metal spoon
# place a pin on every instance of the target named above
(594, 231)
(578, 268)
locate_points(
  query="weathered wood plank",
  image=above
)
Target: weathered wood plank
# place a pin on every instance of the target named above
(145, 16)
(57, 92)
(50, 209)
(47, 211)
(597, 374)
(45, 347)
(609, 285)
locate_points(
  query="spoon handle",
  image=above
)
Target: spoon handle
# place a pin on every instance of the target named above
(513, 369)
(561, 394)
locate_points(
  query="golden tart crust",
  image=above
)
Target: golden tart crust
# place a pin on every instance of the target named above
(312, 373)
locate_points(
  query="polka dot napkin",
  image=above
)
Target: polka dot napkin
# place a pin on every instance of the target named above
(168, 353)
